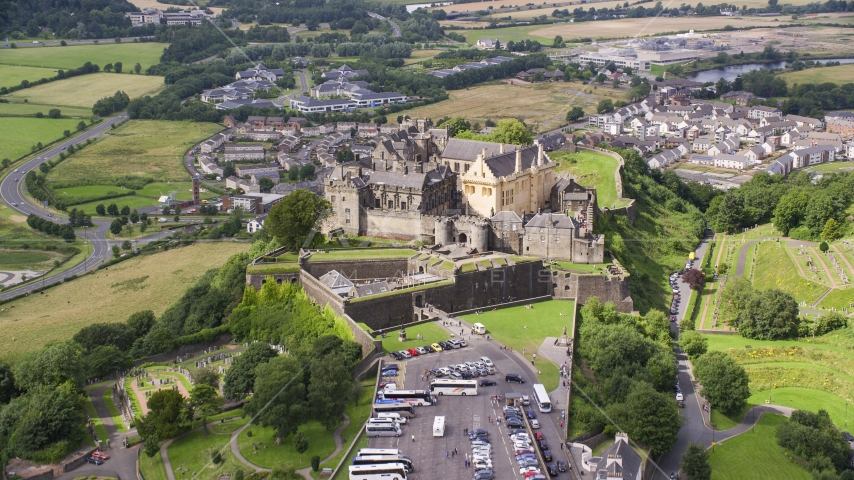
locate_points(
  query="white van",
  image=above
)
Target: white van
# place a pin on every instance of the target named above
(479, 328)
(439, 426)
(394, 416)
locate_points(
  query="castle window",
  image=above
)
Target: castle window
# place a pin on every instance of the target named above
(403, 205)
(377, 203)
(390, 204)
(543, 238)
(467, 168)
(557, 239)
(343, 199)
(529, 238)
(333, 198)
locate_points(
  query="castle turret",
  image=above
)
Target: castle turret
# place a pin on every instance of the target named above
(518, 161)
(443, 234)
(479, 237)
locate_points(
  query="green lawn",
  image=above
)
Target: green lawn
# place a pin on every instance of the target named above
(775, 269)
(807, 399)
(268, 455)
(362, 254)
(146, 54)
(229, 426)
(22, 258)
(585, 267)
(114, 412)
(431, 332)
(726, 342)
(833, 166)
(358, 414)
(343, 473)
(14, 109)
(591, 169)
(152, 467)
(18, 134)
(839, 298)
(525, 329)
(147, 149)
(194, 452)
(11, 75)
(756, 450)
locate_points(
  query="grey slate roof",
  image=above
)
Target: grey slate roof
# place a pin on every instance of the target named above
(460, 149)
(337, 282)
(505, 164)
(554, 220)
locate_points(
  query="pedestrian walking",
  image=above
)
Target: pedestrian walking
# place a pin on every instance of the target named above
(561, 424)
(455, 450)
(561, 445)
(413, 438)
(466, 431)
(532, 361)
(446, 454)
(489, 417)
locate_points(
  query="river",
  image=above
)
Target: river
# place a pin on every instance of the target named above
(730, 73)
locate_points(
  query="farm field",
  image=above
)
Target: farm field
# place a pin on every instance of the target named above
(757, 449)
(24, 109)
(504, 34)
(85, 90)
(841, 74)
(149, 282)
(145, 197)
(591, 169)
(632, 27)
(542, 106)
(775, 269)
(11, 75)
(140, 148)
(18, 135)
(146, 54)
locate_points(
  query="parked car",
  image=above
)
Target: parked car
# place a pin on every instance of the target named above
(535, 423)
(547, 455)
(100, 454)
(514, 378)
(437, 347)
(848, 436)
(487, 383)
(396, 356)
(552, 470)
(530, 414)
(561, 466)
(96, 461)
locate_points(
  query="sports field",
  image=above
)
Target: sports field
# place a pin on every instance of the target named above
(591, 169)
(85, 90)
(757, 452)
(841, 74)
(11, 75)
(150, 282)
(150, 149)
(543, 106)
(146, 54)
(19, 134)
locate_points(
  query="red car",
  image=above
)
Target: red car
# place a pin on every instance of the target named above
(539, 436)
(100, 454)
(672, 319)
(413, 352)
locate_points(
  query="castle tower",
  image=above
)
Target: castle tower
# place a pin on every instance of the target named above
(479, 236)
(443, 233)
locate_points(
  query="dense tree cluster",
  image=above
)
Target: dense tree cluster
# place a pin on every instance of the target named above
(109, 105)
(724, 381)
(470, 77)
(798, 208)
(816, 440)
(65, 231)
(74, 20)
(762, 314)
(509, 130)
(296, 219)
(634, 370)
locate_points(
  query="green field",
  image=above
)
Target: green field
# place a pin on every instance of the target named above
(525, 330)
(362, 254)
(149, 282)
(152, 468)
(145, 197)
(17, 109)
(268, 455)
(17, 135)
(755, 451)
(193, 452)
(839, 75)
(149, 149)
(430, 332)
(507, 34)
(591, 169)
(806, 399)
(11, 75)
(839, 298)
(146, 54)
(84, 90)
(775, 269)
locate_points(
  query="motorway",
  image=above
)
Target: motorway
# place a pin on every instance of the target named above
(394, 26)
(11, 191)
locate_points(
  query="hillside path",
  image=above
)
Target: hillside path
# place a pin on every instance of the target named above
(339, 444)
(830, 274)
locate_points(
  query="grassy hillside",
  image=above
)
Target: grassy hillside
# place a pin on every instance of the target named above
(85, 90)
(19, 134)
(150, 282)
(590, 169)
(146, 54)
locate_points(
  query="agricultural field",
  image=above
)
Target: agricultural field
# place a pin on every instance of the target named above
(542, 106)
(145, 197)
(591, 169)
(19, 134)
(149, 282)
(775, 269)
(85, 90)
(756, 450)
(841, 74)
(147, 149)
(146, 54)
(504, 34)
(11, 75)
(27, 109)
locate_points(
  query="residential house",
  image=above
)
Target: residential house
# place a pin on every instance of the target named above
(826, 138)
(759, 111)
(256, 224)
(229, 121)
(702, 144)
(486, 44)
(243, 151)
(812, 156)
(813, 123)
(740, 97)
(755, 154)
(209, 165)
(738, 162)
(619, 460)
(781, 166)
(260, 72)
(345, 72)
(248, 170)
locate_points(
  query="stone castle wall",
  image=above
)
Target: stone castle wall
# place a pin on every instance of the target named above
(374, 268)
(583, 286)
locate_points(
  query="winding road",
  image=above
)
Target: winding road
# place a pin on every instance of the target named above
(394, 26)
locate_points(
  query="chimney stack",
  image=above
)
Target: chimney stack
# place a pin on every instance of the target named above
(501, 148)
(479, 163)
(518, 161)
(485, 154)
(540, 154)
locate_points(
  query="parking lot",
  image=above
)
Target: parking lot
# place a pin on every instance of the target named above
(462, 412)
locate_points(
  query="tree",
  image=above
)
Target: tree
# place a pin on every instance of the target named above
(107, 359)
(790, 211)
(693, 343)
(108, 67)
(240, 377)
(831, 231)
(574, 115)
(694, 278)
(769, 315)
(100, 210)
(126, 245)
(823, 246)
(205, 401)
(52, 365)
(81, 125)
(116, 228)
(141, 322)
(45, 421)
(166, 417)
(125, 210)
(279, 398)
(296, 219)
(649, 417)
(300, 444)
(730, 213)
(116, 251)
(137, 68)
(734, 297)
(266, 184)
(724, 381)
(695, 462)
(54, 113)
(344, 155)
(117, 67)
(511, 131)
(329, 389)
(134, 216)
(113, 209)
(605, 106)
(456, 125)
(7, 384)
(205, 376)
(814, 438)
